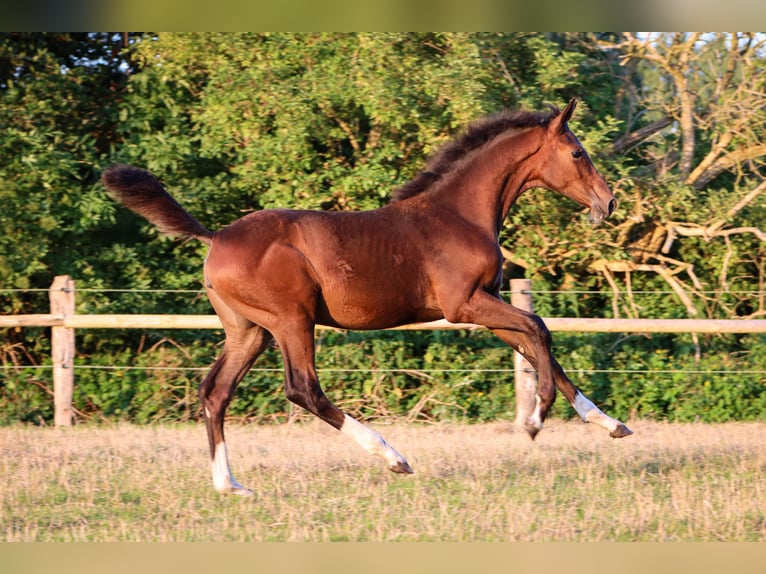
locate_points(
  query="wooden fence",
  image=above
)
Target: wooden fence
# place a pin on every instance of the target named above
(63, 321)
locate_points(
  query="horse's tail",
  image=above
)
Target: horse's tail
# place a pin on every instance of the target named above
(142, 193)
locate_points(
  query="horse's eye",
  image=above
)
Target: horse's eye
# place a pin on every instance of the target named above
(577, 154)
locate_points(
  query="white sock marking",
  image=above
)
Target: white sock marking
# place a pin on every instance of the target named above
(590, 413)
(223, 481)
(535, 419)
(372, 442)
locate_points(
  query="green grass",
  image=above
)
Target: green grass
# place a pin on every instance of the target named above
(668, 482)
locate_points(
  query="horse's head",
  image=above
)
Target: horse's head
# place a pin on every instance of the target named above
(564, 166)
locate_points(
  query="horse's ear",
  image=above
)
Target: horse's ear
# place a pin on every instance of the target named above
(559, 124)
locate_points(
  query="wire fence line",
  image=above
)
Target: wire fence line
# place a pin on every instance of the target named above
(537, 291)
(398, 370)
(103, 290)
(64, 320)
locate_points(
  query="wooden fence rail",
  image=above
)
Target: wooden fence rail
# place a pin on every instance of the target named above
(570, 324)
(64, 321)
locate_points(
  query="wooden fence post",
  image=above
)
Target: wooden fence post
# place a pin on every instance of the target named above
(62, 298)
(525, 377)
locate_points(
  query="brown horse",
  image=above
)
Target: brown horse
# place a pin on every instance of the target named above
(431, 253)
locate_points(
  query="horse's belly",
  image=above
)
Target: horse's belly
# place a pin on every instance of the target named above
(383, 311)
(356, 323)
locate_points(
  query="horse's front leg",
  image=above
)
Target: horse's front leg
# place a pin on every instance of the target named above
(527, 334)
(532, 341)
(522, 331)
(585, 408)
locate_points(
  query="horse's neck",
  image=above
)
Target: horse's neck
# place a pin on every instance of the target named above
(486, 185)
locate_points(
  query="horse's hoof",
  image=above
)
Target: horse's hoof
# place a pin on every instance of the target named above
(532, 430)
(402, 467)
(242, 491)
(236, 489)
(621, 431)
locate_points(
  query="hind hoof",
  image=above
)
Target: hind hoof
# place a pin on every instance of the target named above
(402, 467)
(245, 492)
(621, 431)
(237, 490)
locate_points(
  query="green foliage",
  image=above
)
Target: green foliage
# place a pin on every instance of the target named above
(238, 122)
(56, 131)
(427, 376)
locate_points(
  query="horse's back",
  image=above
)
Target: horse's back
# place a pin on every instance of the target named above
(358, 270)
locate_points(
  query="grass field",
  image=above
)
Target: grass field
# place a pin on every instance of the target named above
(668, 482)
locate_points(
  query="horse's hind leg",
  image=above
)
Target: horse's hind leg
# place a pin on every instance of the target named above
(302, 388)
(216, 391)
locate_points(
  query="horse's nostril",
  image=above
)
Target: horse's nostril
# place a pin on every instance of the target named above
(612, 206)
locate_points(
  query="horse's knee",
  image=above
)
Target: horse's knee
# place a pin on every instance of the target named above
(539, 331)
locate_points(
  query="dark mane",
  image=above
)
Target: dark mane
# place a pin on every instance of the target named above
(475, 136)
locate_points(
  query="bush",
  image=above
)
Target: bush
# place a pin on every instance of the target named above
(420, 375)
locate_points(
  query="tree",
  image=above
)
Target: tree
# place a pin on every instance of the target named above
(315, 120)
(58, 110)
(695, 128)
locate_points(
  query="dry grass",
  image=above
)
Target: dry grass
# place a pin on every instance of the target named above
(472, 483)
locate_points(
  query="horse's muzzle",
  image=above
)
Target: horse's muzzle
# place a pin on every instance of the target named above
(598, 213)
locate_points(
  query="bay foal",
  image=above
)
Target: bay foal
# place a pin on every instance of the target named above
(431, 253)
